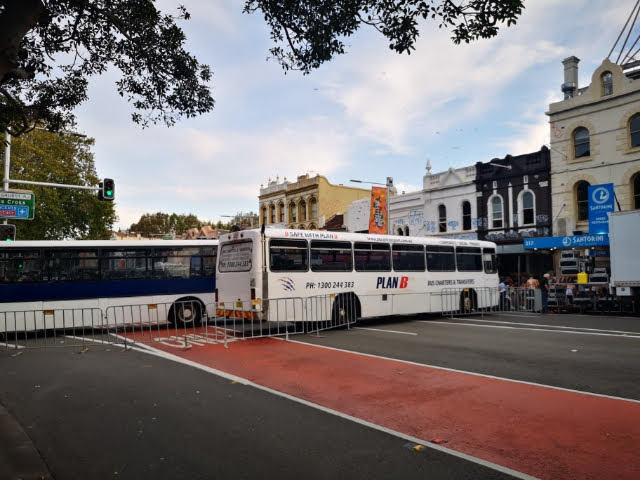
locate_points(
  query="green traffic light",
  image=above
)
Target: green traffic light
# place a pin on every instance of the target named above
(109, 193)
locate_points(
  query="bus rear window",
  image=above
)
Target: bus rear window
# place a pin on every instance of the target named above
(440, 259)
(288, 256)
(331, 256)
(235, 257)
(469, 259)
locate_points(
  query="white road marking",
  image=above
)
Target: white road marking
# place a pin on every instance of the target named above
(385, 331)
(541, 328)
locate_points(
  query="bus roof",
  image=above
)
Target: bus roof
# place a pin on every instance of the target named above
(353, 237)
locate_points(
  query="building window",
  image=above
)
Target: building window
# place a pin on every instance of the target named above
(263, 215)
(581, 145)
(303, 210)
(281, 212)
(582, 201)
(293, 216)
(634, 130)
(527, 210)
(406, 231)
(466, 215)
(314, 208)
(442, 218)
(607, 83)
(496, 212)
(399, 232)
(272, 214)
(636, 191)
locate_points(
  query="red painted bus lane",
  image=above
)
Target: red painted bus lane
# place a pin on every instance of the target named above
(543, 432)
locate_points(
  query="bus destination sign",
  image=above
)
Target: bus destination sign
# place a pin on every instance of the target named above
(17, 204)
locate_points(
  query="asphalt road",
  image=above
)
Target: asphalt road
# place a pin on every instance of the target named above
(596, 354)
(108, 413)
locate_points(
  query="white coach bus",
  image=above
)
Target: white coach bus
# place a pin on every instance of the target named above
(361, 275)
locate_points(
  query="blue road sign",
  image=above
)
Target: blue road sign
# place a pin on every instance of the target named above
(600, 204)
(12, 211)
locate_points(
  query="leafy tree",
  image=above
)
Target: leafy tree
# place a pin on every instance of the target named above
(60, 212)
(49, 48)
(163, 223)
(308, 33)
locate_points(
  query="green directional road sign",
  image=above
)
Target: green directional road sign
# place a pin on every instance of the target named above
(17, 204)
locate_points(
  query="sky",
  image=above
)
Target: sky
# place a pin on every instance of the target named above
(367, 115)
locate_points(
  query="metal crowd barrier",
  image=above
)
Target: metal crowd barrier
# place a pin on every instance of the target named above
(183, 324)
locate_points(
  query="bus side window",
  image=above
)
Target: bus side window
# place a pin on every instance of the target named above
(440, 259)
(372, 257)
(288, 255)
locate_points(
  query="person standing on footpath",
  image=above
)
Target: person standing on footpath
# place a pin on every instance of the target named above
(544, 286)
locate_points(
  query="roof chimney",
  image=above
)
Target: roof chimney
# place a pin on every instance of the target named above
(570, 85)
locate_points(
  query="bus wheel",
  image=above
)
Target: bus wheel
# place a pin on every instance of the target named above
(468, 302)
(344, 310)
(186, 312)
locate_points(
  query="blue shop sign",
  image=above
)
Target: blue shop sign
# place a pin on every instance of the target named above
(572, 241)
(600, 203)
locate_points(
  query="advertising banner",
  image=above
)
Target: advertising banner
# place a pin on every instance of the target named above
(600, 203)
(378, 212)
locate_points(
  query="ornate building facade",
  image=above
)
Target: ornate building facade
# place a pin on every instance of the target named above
(306, 203)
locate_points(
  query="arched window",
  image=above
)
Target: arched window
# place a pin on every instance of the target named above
(636, 191)
(634, 130)
(293, 216)
(496, 212)
(466, 215)
(281, 212)
(582, 200)
(607, 83)
(406, 230)
(312, 226)
(442, 218)
(314, 208)
(303, 210)
(399, 232)
(272, 214)
(527, 208)
(581, 146)
(263, 215)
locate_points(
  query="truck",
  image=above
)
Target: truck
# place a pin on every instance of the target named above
(624, 234)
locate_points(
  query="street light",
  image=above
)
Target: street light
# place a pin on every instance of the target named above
(389, 185)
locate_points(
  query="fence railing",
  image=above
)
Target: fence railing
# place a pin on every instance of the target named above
(173, 323)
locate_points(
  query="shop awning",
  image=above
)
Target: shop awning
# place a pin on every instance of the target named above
(571, 241)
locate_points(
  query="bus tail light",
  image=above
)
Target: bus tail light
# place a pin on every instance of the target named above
(216, 297)
(253, 294)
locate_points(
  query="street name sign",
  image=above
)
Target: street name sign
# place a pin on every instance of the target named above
(17, 204)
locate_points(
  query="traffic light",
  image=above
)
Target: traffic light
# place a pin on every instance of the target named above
(7, 233)
(107, 190)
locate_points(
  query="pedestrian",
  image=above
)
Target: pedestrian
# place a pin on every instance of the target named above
(569, 294)
(544, 286)
(502, 288)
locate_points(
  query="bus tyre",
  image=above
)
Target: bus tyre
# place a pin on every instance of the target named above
(468, 302)
(187, 313)
(344, 310)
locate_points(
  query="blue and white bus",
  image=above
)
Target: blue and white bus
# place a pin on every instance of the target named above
(53, 276)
